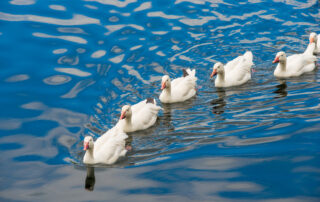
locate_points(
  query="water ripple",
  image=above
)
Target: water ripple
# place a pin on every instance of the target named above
(143, 6)
(58, 7)
(22, 2)
(71, 66)
(73, 71)
(116, 3)
(57, 80)
(76, 20)
(75, 39)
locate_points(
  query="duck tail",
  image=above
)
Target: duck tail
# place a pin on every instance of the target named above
(151, 100)
(248, 56)
(191, 72)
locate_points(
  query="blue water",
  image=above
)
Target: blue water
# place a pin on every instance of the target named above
(67, 67)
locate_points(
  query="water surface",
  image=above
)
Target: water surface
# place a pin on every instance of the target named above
(67, 67)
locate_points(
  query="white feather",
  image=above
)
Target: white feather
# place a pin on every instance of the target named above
(144, 115)
(179, 89)
(107, 148)
(236, 72)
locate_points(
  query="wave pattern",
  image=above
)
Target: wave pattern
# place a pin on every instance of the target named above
(68, 67)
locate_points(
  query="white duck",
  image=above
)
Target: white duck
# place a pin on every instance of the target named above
(235, 72)
(106, 149)
(139, 116)
(296, 64)
(179, 89)
(314, 38)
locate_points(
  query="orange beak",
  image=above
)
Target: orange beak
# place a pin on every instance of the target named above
(123, 115)
(311, 40)
(85, 146)
(163, 85)
(276, 60)
(214, 72)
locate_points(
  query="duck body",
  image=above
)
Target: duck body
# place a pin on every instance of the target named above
(235, 72)
(179, 89)
(318, 45)
(106, 149)
(139, 116)
(295, 65)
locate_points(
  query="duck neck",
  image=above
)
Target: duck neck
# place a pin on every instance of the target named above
(88, 157)
(283, 65)
(167, 92)
(127, 123)
(220, 77)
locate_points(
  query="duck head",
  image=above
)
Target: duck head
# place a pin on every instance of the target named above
(217, 69)
(87, 143)
(313, 38)
(165, 82)
(280, 57)
(125, 112)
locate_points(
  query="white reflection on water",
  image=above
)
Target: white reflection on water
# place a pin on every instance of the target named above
(113, 28)
(98, 54)
(204, 178)
(163, 15)
(117, 3)
(246, 120)
(73, 71)
(117, 59)
(58, 7)
(80, 86)
(62, 116)
(76, 20)
(10, 124)
(57, 79)
(18, 78)
(60, 51)
(143, 6)
(135, 73)
(75, 39)
(22, 2)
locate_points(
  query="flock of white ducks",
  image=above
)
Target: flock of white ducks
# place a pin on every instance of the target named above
(111, 145)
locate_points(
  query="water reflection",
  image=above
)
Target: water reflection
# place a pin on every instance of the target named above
(144, 143)
(219, 103)
(281, 89)
(22, 2)
(169, 110)
(57, 79)
(90, 179)
(17, 78)
(167, 117)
